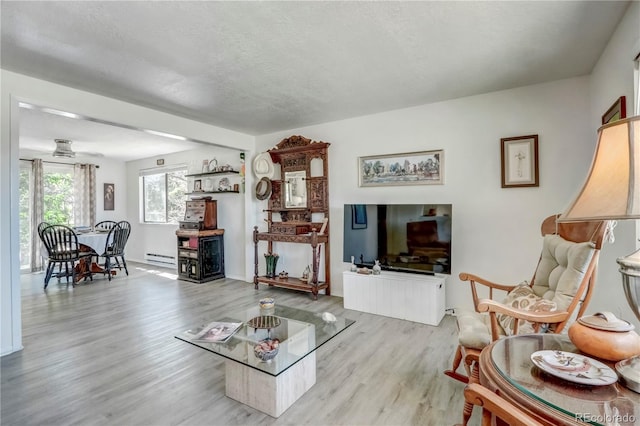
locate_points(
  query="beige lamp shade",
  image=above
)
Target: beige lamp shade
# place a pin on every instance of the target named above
(612, 189)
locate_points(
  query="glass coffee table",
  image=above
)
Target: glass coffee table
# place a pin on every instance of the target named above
(271, 386)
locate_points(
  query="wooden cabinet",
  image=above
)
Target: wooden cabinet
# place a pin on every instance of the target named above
(200, 255)
(298, 210)
(412, 297)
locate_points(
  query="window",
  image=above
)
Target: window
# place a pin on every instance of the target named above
(57, 181)
(58, 193)
(163, 195)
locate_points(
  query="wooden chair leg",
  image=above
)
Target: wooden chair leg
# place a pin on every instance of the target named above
(48, 273)
(457, 359)
(124, 263)
(107, 266)
(468, 406)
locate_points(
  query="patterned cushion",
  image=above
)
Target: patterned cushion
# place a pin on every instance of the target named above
(523, 297)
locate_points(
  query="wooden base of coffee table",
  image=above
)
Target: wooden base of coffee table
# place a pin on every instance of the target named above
(272, 395)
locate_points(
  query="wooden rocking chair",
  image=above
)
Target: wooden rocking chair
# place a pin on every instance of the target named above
(559, 292)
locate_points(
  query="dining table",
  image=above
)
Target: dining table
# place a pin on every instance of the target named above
(91, 241)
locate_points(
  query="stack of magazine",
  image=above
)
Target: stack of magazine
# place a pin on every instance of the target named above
(217, 332)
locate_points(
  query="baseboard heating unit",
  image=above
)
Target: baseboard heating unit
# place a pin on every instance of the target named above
(160, 259)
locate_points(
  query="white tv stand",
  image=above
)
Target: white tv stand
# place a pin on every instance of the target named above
(412, 297)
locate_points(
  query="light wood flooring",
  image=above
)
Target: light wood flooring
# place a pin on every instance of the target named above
(103, 353)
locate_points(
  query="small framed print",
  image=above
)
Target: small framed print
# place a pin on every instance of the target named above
(197, 185)
(109, 196)
(519, 161)
(616, 112)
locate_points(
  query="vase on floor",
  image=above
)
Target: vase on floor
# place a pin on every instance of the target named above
(272, 261)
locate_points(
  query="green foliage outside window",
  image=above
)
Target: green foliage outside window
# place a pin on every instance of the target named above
(25, 219)
(58, 206)
(58, 198)
(163, 195)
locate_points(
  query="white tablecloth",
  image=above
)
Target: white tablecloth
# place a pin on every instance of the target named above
(95, 240)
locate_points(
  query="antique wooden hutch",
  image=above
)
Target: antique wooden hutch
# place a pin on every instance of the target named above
(298, 210)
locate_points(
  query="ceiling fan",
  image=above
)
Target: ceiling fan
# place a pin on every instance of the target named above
(63, 149)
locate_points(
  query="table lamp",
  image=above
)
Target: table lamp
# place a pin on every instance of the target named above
(612, 192)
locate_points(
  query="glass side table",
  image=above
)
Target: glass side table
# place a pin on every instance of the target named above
(506, 368)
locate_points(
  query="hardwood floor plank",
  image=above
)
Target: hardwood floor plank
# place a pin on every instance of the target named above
(103, 353)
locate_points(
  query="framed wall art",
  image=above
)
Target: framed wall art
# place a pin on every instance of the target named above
(412, 168)
(519, 161)
(109, 196)
(617, 111)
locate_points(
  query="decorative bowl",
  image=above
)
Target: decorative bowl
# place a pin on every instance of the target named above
(328, 317)
(267, 303)
(266, 349)
(629, 370)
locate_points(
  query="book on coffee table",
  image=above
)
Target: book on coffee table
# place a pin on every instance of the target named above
(217, 332)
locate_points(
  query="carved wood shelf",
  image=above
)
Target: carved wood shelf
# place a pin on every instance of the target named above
(295, 154)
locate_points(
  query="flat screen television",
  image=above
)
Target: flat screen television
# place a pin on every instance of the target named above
(403, 237)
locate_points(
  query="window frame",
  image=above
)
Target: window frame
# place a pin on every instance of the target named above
(165, 171)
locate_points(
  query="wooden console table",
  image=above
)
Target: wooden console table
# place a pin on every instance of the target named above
(314, 240)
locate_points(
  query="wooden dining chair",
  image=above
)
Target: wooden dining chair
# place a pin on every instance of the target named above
(40, 228)
(104, 226)
(114, 248)
(63, 248)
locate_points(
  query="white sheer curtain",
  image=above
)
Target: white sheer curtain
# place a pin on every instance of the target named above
(84, 192)
(37, 215)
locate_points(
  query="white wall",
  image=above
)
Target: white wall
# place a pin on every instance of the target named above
(111, 171)
(611, 78)
(15, 88)
(495, 231)
(161, 238)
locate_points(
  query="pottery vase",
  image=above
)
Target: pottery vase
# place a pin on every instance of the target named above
(272, 261)
(604, 336)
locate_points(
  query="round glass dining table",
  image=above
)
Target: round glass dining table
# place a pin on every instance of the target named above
(506, 368)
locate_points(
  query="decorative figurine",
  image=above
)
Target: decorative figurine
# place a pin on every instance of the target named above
(376, 268)
(353, 268)
(306, 273)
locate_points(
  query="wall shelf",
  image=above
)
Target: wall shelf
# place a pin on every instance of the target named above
(228, 172)
(204, 193)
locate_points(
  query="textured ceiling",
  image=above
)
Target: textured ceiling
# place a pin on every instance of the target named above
(259, 67)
